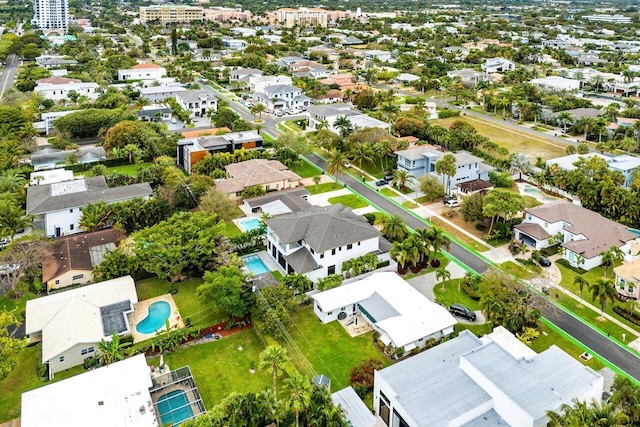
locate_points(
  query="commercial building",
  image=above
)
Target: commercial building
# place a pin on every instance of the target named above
(614, 19)
(171, 13)
(301, 17)
(51, 15)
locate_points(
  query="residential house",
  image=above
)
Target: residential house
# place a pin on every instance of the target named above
(379, 55)
(278, 203)
(330, 113)
(282, 97)
(628, 279)
(625, 164)
(459, 53)
(46, 123)
(353, 408)
(581, 113)
(556, 84)
(197, 102)
(50, 177)
(49, 158)
(432, 109)
(407, 78)
(313, 70)
(591, 58)
(260, 83)
(621, 122)
(498, 65)
(495, 380)
(344, 82)
(268, 174)
(146, 71)
(58, 88)
(55, 61)
(316, 241)
(422, 160)
(70, 324)
(402, 316)
(331, 96)
(74, 258)
(241, 73)
(469, 76)
(287, 61)
(233, 43)
(583, 234)
(113, 395)
(192, 150)
(58, 207)
(162, 92)
(154, 113)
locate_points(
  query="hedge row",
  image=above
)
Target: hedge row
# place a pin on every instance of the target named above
(628, 314)
(471, 293)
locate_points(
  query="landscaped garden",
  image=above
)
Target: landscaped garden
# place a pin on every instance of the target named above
(352, 201)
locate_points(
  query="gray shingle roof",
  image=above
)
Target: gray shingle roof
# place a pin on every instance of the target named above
(42, 198)
(195, 96)
(323, 227)
(293, 199)
(301, 261)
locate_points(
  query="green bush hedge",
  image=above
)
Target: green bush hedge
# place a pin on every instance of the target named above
(565, 263)
(443, 114)
(471, 293)
(628, 314)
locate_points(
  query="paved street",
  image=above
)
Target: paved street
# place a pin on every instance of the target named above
(594, 340)
(8, 74)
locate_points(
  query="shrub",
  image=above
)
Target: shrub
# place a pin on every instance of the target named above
(501, 179)
(563, 262)
(443, 114)
(470, 292)
(362, 373)
(370, 217)
(449, 212)
(399, 352)
(628, 314)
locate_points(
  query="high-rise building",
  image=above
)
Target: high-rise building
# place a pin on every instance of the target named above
(51, 15)
(171, 13)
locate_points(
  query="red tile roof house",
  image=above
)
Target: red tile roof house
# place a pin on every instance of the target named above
(584, 234)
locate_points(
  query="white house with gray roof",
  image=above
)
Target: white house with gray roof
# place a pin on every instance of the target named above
(70, 324)
(491, 381)
(316, 241)
(421, 160)
(330, 113)
(58, 207)
(282, 97)
(198, 102)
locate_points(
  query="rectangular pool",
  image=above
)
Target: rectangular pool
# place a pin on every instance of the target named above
(174, 408)
(255, 264)
(249, 224)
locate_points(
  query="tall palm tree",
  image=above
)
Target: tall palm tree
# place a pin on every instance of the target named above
(337, 163)
(597, 81)
(274, 358)
(362, 153)
(503, 102)
(393, 227)
(520, 163)
(438, 241)
(446, 167)
(390, 110)
(300, 390)
(323, 124)
(401, 177)
(603, 290)
(12, 219)
(343, 125)
(442, 275)
(582, 284)
(112, 350)
(423, 237)
(565, 118)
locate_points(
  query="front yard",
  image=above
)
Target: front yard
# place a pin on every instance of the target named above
(352, 201)
(323, 188)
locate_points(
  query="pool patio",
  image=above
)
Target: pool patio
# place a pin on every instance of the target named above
(141, 311)
(168, 383)
(268, 262)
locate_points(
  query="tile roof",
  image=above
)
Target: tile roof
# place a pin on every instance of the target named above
(533, 229)
(145, 65)
(75, 252)
(323, 227)
(58, 81)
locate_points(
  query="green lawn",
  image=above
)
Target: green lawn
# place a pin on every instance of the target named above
(219, 368)
(444, 261)
(24, 378)
(323, 188)
(231, 229)
(329, 348)
(388, 192)
(186, 299)
(128, 169)
(379, 168)
(19, 305)
(549, 337)
(517, 269)
(459, 235)
(452, 294)
(349, 200)
(306, 169)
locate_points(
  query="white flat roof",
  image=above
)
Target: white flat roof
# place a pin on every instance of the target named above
(417, 316)
(114, 395)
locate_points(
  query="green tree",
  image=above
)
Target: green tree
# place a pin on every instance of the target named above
(582, 148)
(446, 167)
(430, 187)
(438, 241)
(215, 201)
(520, 163)
(442, 274)
(582, 283)
(300, 389)
(225, 289)
(603, 291)
(112, 350)
(471, 208)
(362, 153)
(275, 359)
(337, 163)
(393, 227)
(10, 347)
(316, 180)
(402, 177)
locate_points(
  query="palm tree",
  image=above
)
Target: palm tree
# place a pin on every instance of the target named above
(611, 257)
(316, 180)
(275, 358)
(503, 102)
(323, 124)
(600, 124)
(565, 118)
(597, 81)
(390, 110)
(603, 290)
(446, 167)
(423, 238)
(442, 274)
(258, 109)
(337, 163)
(438, 241)
(393, 227)
(12, 219)
(362, 153)
(111, 351)
(300, 390)
(344, 125)
(520, 163)
(582, 284)
(401, 177)
(132, 151)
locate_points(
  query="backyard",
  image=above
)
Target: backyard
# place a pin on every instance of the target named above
(128, 169)
(516, 142)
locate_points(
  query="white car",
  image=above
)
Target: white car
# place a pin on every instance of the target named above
(452, 203)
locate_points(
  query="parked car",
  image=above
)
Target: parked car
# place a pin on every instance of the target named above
(388, 177)
(452, 203)
(279, 113)
(348, 164)
(544, 261)
(4, 243)
(381, 183)
(460, 310)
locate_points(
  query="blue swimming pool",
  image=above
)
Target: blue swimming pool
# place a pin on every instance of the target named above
(255, 264)
(174, 408)
(156, 318)
(250, 224)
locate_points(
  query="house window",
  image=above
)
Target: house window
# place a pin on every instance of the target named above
(331, 270)
(71, 227)
(630, 288)
(61, 359)
(238, 193)
(333, 251)
(349, 246)
(330, 313)
(312, 251)
(57, 282)
(87, 351)
(359, 243)
(77, 277)
(70, 210)
(546, 224)
(407, 162)
(421, 339)
(322, 255)
(267, 187)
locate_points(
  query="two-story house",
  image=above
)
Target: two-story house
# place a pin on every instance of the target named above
(469, 76)
(198, 102)
(260, 83)
(628, 279)
(316, 241)
(583, 234)
(58, 88)
(626, 164)
(241, 73)
(422, 160)
(147, 71)
(282, 97)
(498, 65)
(379, 55)
(233, 43)
(320, 115)
(162, 92)
(191, 150)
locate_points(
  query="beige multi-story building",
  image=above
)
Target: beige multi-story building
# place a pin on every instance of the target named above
(171, 13)
(227, 14)
(302, 17)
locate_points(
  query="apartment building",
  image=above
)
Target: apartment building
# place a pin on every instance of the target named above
(171, 13)
(301, 17)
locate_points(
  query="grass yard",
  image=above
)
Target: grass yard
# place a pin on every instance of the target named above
(459, 235)
(323, 188)
(231, 229)
(24, 378)
(19, 305)
(128, 169)
(515, 141)
(409, 205)
(186, 299)
(219, 368)
(305, 169)
(452, 294)
(389, 192)
(549, 337)
(329, 348)
(380, 166)
(517, 269)
(352, 201)
(444, 261)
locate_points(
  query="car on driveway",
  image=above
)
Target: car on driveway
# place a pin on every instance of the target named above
(381, 183)
(544, 261)
(452, 203)
(460, 310)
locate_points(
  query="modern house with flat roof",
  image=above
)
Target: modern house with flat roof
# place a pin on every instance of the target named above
(330, 113)
(58, 207)
(491, 381)
(70, 324)
(192, 150)
(583, 234)
(58, 88)
(402, 316)
(421, 160)
(271, 175)
(556, 84)
(316, 241)
(197, 102)
(147, 71)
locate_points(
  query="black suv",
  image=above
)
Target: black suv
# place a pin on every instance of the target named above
(460, 310)
(544, 261)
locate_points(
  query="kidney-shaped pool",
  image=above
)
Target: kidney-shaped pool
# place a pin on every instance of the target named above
(156, 318)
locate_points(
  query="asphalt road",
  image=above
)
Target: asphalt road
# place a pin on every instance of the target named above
(8, 74)
(594, 340)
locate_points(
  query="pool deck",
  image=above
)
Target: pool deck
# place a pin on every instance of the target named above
(267, 260)
(538, 194)
(238, 221)
(141, 310)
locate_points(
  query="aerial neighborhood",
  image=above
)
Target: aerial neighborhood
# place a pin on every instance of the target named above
(401, 214)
